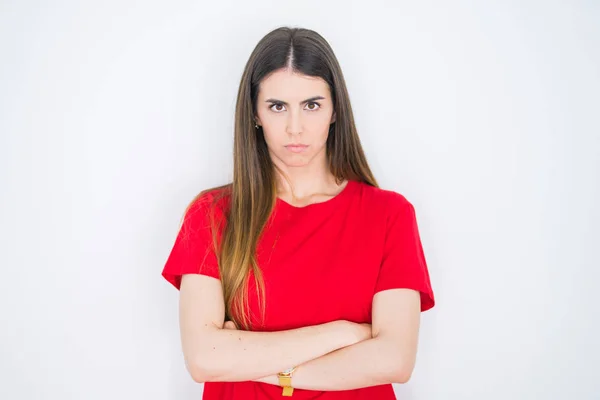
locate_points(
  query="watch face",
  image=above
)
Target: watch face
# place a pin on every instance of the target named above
(287, 371)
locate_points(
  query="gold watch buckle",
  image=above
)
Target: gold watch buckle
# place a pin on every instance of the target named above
(285, 381)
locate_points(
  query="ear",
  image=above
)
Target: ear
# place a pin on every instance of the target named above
(332, 118)
(257, 120)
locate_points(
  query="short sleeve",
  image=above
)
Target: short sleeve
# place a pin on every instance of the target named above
(193, 251)
(403, 264)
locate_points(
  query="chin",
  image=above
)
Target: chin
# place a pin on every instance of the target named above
(295, 160)
(296, 163)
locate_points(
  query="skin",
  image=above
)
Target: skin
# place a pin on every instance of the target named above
(339, 355)
(298, 122)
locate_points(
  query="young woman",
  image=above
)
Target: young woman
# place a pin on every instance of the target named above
(302, 277)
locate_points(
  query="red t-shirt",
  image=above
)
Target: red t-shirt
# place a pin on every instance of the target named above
(320, 263)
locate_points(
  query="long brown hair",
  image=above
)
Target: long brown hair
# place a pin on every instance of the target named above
(253, 193)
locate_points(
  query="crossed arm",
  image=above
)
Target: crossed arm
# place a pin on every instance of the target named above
(339, 355)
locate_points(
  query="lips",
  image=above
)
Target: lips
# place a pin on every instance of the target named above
(296, 148)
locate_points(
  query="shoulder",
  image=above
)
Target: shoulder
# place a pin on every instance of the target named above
(387, 201)
(209, 204)
(217, 197)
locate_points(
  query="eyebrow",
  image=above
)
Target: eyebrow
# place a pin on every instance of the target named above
(302, 102)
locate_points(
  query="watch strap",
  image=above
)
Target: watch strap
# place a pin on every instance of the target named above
(285, 381)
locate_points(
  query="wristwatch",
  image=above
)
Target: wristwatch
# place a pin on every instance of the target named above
(285, 381)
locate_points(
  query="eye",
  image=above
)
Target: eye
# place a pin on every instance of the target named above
(277, 105)
(313, 103)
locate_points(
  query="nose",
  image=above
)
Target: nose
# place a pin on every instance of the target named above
(294, 122)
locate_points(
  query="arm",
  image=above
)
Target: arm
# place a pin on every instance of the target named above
(215, 354)
(389, 357)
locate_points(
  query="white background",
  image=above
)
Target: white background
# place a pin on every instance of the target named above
(485, 115)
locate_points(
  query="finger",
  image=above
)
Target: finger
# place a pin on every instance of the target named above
(229, 325)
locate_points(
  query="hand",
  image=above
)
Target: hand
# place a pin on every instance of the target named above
(367, 331)
(358, 332)
(229, 325)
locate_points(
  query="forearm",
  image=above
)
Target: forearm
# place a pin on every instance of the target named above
(368, 363)
(234, 355)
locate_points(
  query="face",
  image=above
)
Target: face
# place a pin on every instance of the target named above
(295, 109)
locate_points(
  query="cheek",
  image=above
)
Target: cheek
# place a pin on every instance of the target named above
(272, 124)
(319, 127)
(273, 141)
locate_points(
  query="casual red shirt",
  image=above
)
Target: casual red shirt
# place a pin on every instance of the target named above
(322, 262)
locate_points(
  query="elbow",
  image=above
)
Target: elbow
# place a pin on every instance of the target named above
(400, 371)
(399, 363)
(200, 370)
(402, 375)
(198, 375)
(202, 363)
(197, 371)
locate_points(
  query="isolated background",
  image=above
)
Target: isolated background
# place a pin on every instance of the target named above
(485, 115)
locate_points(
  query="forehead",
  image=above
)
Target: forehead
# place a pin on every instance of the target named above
(285, 84)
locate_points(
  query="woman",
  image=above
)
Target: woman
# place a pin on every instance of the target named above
(302, 277)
